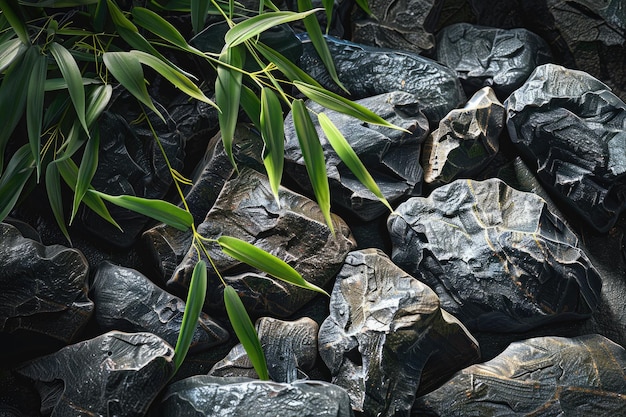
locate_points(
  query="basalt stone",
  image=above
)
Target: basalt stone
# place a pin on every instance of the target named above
(115, 374)
(572, 128)
(204, 395)
(385, 333)
(290, 349)
(498, 258)
(128, 301)
(293, 230)
(390, 155)
(499, 58)
(466, 141)
(44, 293)
(368, 71)
(547, 376)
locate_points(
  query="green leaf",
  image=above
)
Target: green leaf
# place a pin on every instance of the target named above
(228, 96)
(253, 26)
(251, 105)
(273, 134)
(242, 325)
(319, 43)
(199, 11)
(328, 8)
(71, 73)
(259, 259)
(99, 15)
(34, 107)
(19, 169)
(58, 3)
(11, 11)
(53, 188)
(10, 51)
(160, 210)
(126, 69)
(97, 100)
(291, 70)
(313, 155)
(193, 308)
(86, 171)
(349, 157)
(363, 4)
(54, 84)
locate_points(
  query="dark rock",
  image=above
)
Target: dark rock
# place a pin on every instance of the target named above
(385, 333)
(466, 141)
(128, 301)
(497, 257)
(368, 71)
(18, 398)
(205, 395)
(290, 349)
(391, 156)
(548, 376)
(571, 127)
(295, 232)
(116, 374)
(499, 58)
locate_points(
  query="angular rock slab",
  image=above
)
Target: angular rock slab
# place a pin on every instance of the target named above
(466, 140)
(385, 333)
(44, 289)
(547, 376)
(290, 349)
(115, 374)
(497, 257)
(499, 58)
(368, 71)
(573, 129)
(128, 301)
(391, 156)
(294, 231)
(204, 395)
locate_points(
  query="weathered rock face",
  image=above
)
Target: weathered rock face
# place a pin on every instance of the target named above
(128, 301)
(466, 141)
(44, 292)
(546, 376)
(243, 397)
(385, 332)
(115, 374)
(497, 257)
(499, 58)
(295, 232)
(571, 127)
(290, 349)
(368, 71)
(390, 155)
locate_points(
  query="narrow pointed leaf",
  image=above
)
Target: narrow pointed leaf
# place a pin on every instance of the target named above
(97, 100)
(74, 140)
(99, 15)
(328, 8)
(160, 210)
(199, 11)
(154, 23)
(71, 73)
(53, 84)
(251, 105)
(34, 108)
(349, 157)
(10, 51)
(86, 171)
(58, 3)
(291, 70)
(242, 325)
(253, 26)
(53, 188)
(313, 155)
(11, 12)
(273, 134)
(193, 308)
(12, 182)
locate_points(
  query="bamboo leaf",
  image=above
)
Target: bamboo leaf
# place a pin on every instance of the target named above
(129, 32)
(199, 11)
(99, 15)
(253, 26)
(349, 157)
(157, 25)
(10, 50)
(193, 308)
(53, 188)
(11, 12)
(71, 73)
(259, 259)
(273, 134)
(313, 155)
(251, 105)
(34, 108)
(160, 210)
(12, 182)
(291, 70)
(53, 84)
(58, 3)
(86, 171)
(328, 8)
(228, 96)
(242, 325)
(97, 100)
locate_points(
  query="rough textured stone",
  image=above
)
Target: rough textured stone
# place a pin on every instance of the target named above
(572, 128)
(205, 395)
(128, 301)
(391, 156)
(368, 71)
(385, 333)
(115, 374)
(295, 232)
(497, 257)
(499, 58)
(548, 376)
(466, 140)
